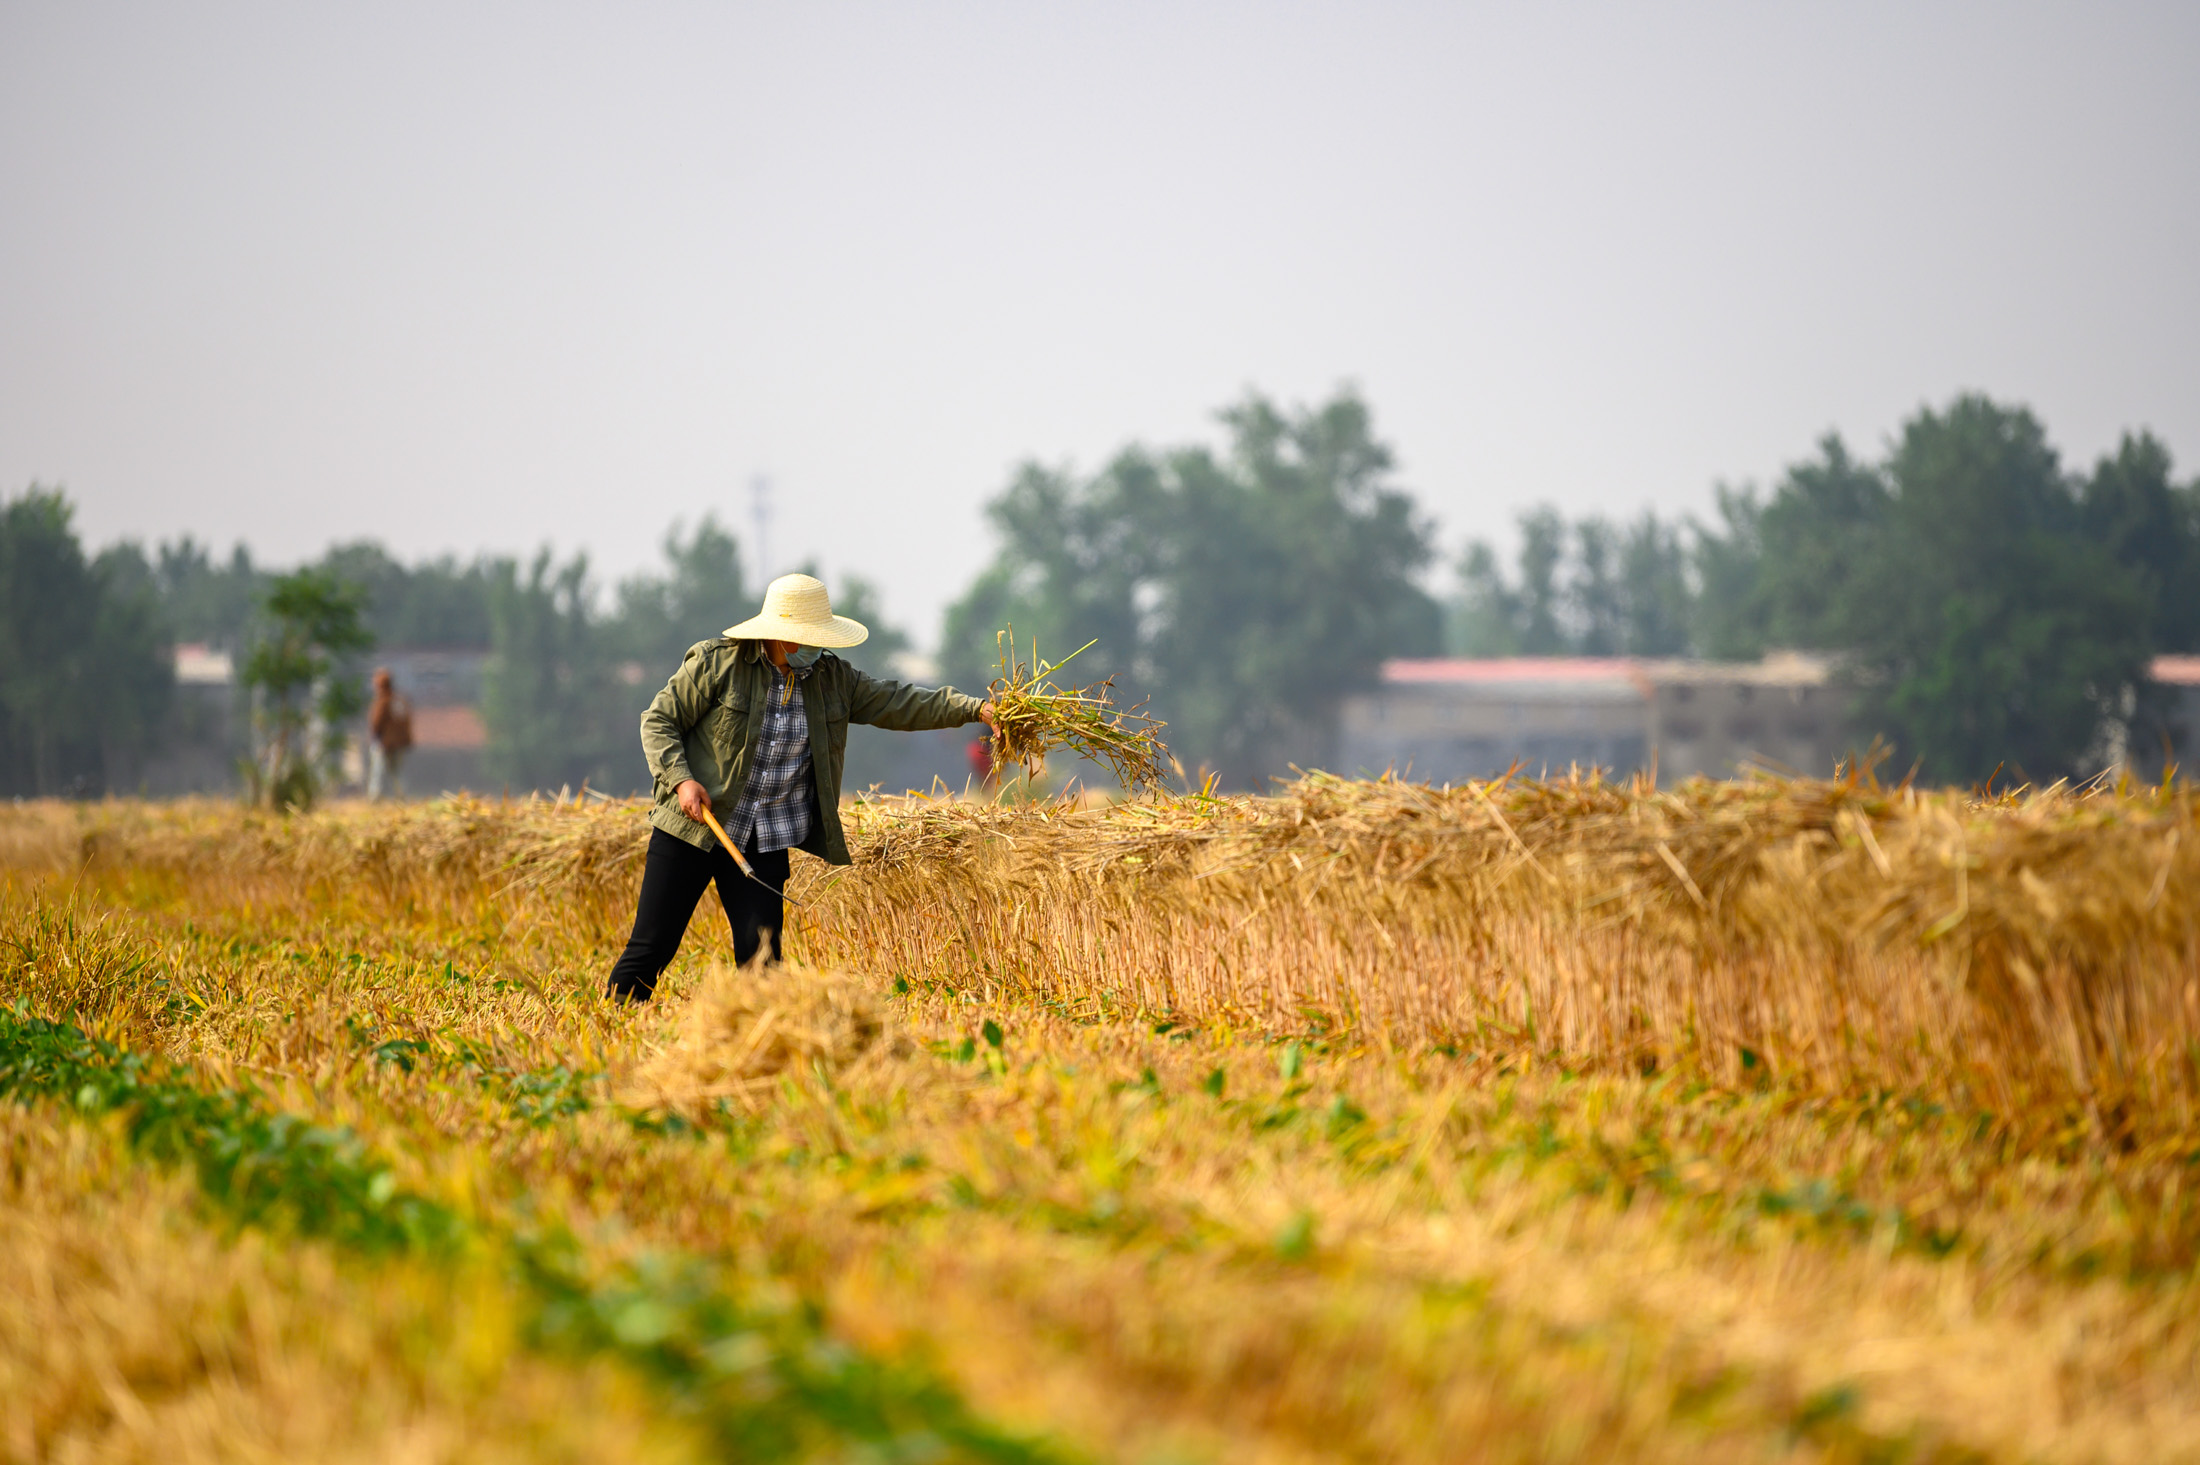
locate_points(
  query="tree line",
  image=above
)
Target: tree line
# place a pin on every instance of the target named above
(87, 680)
(1989, 608)
(85, 674)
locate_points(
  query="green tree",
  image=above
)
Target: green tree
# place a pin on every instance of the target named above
(1002, 597)
(1820, 533)
(1586, 589)
(1245, 593)
(437, 602)
(208, 602)
(133, 691)
(1989, 630)
(2151, 526)
(1785, 569)
(701, 593)
(1595, 596)
(2133, 509)
(556, 711)
(1542, 553)
(85, 670)
(1656, 598)
(1085, 561)
(1293, 577)
(1725, 623)
(302, 691)
(49, 607)
(1486, 614)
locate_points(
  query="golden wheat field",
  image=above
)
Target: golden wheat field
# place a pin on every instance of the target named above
(1521, 1121)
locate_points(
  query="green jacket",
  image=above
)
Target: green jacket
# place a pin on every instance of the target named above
(707, 719)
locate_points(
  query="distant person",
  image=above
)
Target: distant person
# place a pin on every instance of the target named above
(980, 754)
(389, 734)
(753, 727)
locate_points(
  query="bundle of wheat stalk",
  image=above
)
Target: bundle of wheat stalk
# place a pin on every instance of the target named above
(1032, 716)
(746, 1029)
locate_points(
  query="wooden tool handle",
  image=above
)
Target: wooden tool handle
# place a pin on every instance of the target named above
(731, 848)
(735, 850)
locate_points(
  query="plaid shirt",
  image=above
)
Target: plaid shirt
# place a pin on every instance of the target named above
(774, 811)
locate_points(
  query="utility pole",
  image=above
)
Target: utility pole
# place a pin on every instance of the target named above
(760, 513)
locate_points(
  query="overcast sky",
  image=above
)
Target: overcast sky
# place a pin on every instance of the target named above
(466, 277)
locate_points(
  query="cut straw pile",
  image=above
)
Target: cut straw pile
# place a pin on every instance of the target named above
(1033, 716)
(750, 1027)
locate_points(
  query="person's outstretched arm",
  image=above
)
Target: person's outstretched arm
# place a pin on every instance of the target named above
(903, 708)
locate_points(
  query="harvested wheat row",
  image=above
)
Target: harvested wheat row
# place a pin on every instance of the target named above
(2008, 953)
(2030, 954)
(457, 856)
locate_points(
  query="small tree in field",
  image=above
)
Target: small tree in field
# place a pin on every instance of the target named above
(297, 691)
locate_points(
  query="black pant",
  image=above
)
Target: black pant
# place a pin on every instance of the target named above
(672, 882)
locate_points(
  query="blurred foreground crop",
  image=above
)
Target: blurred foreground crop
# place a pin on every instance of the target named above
(1513, 1121)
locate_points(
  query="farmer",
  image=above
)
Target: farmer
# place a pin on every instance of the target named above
(753, 727)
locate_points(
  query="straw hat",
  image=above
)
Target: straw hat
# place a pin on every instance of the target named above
(797, 609)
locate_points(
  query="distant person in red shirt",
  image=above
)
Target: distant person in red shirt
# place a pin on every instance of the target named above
(980, 753)
(389, 734)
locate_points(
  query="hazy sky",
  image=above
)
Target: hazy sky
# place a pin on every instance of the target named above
(475, 277)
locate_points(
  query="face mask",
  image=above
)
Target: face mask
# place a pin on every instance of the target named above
(804, 655)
